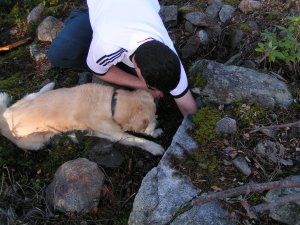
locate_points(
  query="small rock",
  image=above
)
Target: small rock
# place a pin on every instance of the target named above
(199, 19)
(214, 31)
(36, 15)
(249, 5)
(274, 152)
(76, 186)
(226, 13)
(203, 37)
(49, 28)
(189, 27)
(37, 53)
(191, 47)
(213, 10)
(103, 153)
(169, 15)
(226, 126)
(241, 164)
(236, 38)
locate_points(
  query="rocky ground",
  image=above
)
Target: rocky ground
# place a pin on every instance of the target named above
(230, 39)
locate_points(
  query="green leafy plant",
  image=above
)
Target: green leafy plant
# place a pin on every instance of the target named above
(36, 184)
(282, 45)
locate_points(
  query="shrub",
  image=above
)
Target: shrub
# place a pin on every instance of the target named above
(282, 45)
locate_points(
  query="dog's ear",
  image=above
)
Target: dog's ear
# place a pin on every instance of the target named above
(144, 94)
(137, 121)
(135, 110)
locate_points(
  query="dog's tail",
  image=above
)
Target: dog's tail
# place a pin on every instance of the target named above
(44, 89)
(4, 102)
(47, 87)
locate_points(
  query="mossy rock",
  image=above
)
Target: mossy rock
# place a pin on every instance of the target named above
(205, 121)
(197, 79)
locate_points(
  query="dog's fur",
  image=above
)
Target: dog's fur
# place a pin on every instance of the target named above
(33, 120)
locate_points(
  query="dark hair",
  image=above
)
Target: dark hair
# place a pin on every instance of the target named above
(159, 65)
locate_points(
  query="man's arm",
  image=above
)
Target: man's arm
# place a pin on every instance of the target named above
(186, 104)
(117, 76)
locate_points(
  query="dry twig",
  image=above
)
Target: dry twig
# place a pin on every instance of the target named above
(15, 44)
(277, 126)
(275, 203)
(245, 189)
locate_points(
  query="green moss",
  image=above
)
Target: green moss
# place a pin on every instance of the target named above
(62, 150)
(205, 121)
(256, 199)
(295, 106)
(14, 86)
(197, 79)
(10, 82)
(204, 160)
(122, 217)
(269, 16)
(19, 53)
(245, 27)
(200, 165)
(249, 114)
(174, 160)
(186, 9)
(234, 3)
(90, 142)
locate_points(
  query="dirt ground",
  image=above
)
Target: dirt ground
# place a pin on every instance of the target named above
(24, 176)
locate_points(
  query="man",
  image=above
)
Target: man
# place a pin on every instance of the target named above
(129, 32)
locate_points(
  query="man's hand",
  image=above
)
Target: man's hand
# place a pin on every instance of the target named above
(157, 94)
(186, 104)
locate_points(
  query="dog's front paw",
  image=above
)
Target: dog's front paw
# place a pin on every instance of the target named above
(155, 149)
(157, 132)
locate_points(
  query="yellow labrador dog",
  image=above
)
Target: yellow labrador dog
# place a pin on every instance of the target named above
(101, 110)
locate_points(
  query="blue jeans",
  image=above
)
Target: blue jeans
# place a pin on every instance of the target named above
(70, 47)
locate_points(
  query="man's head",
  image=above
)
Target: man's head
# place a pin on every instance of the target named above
(159, 65)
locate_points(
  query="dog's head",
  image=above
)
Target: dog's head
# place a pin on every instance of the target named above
(134, 110)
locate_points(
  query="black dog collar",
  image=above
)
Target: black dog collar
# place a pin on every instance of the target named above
(113, 102)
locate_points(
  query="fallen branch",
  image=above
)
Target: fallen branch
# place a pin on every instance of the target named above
(277, 126)
(245, 189)
(275, 203)
(15, 44)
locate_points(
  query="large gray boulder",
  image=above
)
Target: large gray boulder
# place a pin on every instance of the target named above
(164, 193)
(227, 84)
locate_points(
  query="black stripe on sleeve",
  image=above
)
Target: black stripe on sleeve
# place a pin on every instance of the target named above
(182, 94)
(103, 60)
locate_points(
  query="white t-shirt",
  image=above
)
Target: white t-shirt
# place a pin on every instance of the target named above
(120, 27)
